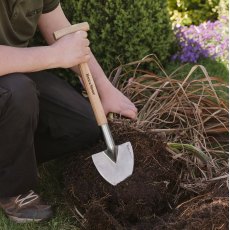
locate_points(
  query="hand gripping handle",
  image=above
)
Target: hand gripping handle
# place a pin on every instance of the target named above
(86, 75)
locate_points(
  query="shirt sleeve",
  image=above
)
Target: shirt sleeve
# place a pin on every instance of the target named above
(49, 5)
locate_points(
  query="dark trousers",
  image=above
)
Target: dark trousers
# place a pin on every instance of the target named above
(41, 118)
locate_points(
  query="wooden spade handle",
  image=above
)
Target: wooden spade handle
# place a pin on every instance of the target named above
(86, 75)
(71, 29)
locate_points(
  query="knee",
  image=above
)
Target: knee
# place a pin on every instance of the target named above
(22, 99)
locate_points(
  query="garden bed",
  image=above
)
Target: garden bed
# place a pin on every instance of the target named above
(149, 198)
(180, 147)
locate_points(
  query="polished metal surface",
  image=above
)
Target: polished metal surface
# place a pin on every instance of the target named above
(115, 172)
(111, 147)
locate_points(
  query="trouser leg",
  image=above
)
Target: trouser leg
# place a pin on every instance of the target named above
(66, 125)
(66, 120)
(18, 121)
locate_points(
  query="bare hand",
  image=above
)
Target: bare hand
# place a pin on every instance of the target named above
(72, 50)
(116, 102)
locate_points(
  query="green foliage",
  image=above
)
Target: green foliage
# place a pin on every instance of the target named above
(214, 69)
(124, 31)
(223, 9)
(188, 12)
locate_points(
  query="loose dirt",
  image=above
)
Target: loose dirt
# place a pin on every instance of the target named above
(146, 200)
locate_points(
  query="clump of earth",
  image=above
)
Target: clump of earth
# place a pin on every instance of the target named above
(149, 198)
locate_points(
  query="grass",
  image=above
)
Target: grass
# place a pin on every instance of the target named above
(214, 68)
(51, 190)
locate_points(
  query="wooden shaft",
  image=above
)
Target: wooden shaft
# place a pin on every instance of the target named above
(86, 75)
(93, 94)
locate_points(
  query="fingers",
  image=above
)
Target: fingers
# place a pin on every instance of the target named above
(130, 106)
(87, 50)
(85, 58)
(122, 106)
(129, 113)
(86, 54)
(133, 107)
(83, 36)
(87, 42)
(81, 33)
(85, 45)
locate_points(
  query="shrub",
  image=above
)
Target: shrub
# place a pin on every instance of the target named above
(188, 12)
(124, 30)
(223, 9)
(209, 39)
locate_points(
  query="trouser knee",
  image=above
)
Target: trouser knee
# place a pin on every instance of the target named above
(21, 100)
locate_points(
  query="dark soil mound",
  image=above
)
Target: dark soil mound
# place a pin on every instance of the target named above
(143, 200)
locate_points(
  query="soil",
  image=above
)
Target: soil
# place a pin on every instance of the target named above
(149, 198)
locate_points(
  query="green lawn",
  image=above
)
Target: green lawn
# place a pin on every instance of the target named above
(214, 69)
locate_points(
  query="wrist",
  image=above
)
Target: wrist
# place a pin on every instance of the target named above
(52, 55)
(103, 86)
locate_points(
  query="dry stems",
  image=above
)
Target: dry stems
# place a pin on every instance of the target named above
(191, 112)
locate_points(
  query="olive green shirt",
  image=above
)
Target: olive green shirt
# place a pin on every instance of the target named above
(19, 19)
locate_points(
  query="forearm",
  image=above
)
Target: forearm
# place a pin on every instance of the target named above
(51, 22)
(32, 59)
(56, 20)
(100, 79)
(48, 30)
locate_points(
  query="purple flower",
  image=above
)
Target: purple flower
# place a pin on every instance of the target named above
(209, 39)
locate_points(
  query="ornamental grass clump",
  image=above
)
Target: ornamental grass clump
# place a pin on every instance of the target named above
(192, 114)
(208, 40)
